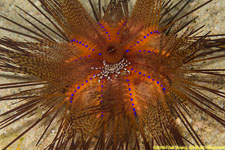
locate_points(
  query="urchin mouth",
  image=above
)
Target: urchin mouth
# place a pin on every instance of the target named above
(113, 54)
(111, 49)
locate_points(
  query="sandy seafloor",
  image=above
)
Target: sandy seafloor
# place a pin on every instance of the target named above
(213, 134)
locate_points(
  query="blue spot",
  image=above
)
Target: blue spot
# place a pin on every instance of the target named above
(82, 84)
(127, 80)
(107, 32)
(132, 104)
(86, 46)
(137, 41)
(151, 32)
(130, 93)
(135, 113)
(132, 69)
(133, 109)
(71, 98)
(129, 89)
(102, 27)
(144, 36)
(101, 95)
(75, 91)
(93, 49)
(71, 101)
(161, 85)
(77, 41)
(139, 72)
(102, 115)
(80, 42)
(78, 87)
(164, 89)
(143, 74)
(86, 81)
(118, 33)
(149, 77)
(157, 82)
(149, 51)
(153, 79)
(90, 78)
(129, 84)
(127, 50)
(108, 35)
(102, 86)
(147, 34)
(135, 71)
(100, 54)
(72, 94)
(131, 99)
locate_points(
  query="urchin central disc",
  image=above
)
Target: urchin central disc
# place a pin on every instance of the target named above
(113, 54)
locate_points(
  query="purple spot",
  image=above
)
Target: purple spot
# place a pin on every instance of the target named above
(86, 81)
(78, 87)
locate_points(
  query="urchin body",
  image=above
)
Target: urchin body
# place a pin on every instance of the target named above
(121, 80)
